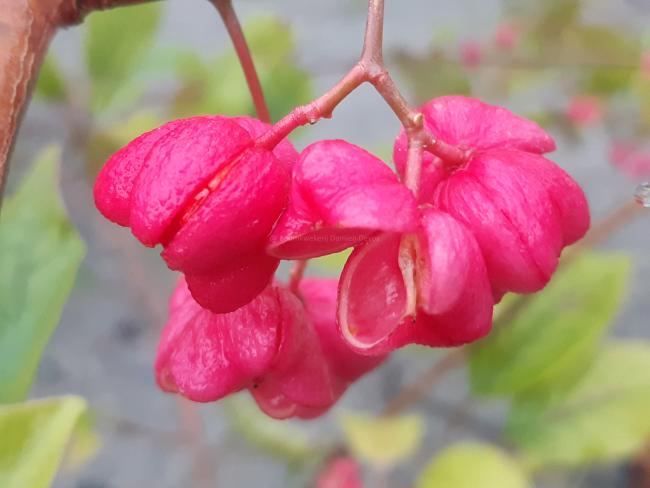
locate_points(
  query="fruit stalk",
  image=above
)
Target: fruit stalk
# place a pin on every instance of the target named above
(231, 22)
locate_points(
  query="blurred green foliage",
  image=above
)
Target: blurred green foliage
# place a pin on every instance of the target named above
(383, 442)
(332, 263)
(84, 444)
(51, 85)
(432, 75)
(40, 253)
(219, 86)
(472, 465)
(603, 418)
(550, 344)
(610, 56)
(117, 42)
(34, 436)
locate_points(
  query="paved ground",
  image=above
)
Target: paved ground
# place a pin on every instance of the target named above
(105, 344)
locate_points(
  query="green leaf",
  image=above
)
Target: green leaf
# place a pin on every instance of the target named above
(286, 86)
(40, 253)
(641, 92)
(383, 442)
(332, 262)
(270, 40)
(431, 75)
(280, 439)
(472, 465)
(605, 418)
(552, 17)
(226, 91)
(34, 438)
(599, 44)
(610, 52)
(554, 339)
(117, 41)
(220, 86)
(51, 85)
(608, 80)
(84, 445)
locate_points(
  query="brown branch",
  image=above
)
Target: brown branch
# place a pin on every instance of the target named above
(26, 29)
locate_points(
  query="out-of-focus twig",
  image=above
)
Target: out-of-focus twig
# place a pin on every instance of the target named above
(421, 386)
(640, 468)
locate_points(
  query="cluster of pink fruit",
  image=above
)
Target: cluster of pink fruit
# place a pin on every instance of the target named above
(425, 269)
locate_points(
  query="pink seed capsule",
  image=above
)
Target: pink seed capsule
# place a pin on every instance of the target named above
(286, 351)
(429, 288)
(201, 189)
(522, 208)
(340, 195)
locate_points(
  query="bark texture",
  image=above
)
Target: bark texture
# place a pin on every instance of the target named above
(26, 29)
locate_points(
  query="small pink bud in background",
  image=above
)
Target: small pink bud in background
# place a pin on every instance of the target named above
(645, 64)
(471, 54)
(506, 35)
(630, 159)
(340, 472)
(201, 189)
(620, 151)
(584, 110)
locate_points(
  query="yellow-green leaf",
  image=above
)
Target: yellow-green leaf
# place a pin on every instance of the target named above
(40, 253)
(604, 419)
(51, 84)
(432, 74)
(33, 439)
(552, 342)
(270, 39)
(220, 86)
(117, 41)
(383, 442)
(472, 465)
(84, 445)
(332, 262)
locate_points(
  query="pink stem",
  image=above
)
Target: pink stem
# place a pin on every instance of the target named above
(373, 41)
(295, 277)
(311, 113)
(414, 164)
(370, 68)
(449, 154)
(238, 39)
